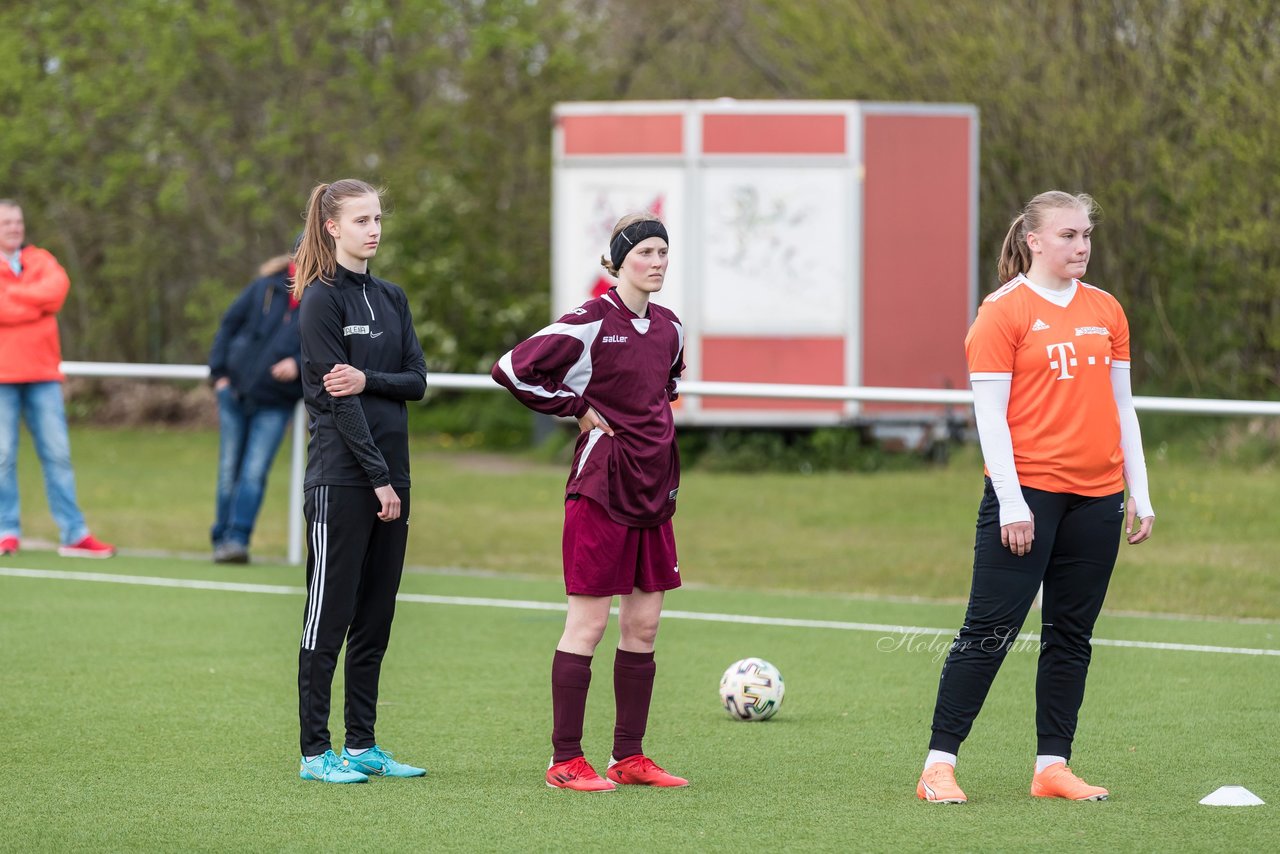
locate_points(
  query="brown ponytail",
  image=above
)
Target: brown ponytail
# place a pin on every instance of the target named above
(1015, 254)
(315, 259)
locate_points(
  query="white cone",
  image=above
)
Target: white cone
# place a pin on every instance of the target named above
(1232, 796)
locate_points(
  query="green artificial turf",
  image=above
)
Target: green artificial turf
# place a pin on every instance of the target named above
(159, 718)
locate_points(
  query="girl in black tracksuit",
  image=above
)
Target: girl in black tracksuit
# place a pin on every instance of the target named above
(361, 361)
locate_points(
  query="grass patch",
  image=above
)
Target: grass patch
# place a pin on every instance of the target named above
(884, 533)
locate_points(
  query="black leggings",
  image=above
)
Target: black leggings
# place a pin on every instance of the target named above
(1076, 542)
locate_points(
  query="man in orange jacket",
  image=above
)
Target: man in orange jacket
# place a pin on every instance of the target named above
(33, 287)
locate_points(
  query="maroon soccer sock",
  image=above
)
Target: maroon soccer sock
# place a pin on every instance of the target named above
(632, 690)
(570, 679)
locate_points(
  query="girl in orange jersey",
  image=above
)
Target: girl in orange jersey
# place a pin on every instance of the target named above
(1049, 365)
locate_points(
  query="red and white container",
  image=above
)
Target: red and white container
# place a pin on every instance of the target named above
(813, 242)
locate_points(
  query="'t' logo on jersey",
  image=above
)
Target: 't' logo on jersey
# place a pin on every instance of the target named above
(1062, 357)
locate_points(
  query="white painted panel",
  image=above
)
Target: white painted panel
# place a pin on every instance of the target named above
(775, 257)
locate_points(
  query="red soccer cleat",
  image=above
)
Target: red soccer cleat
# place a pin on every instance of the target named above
(8, 546)
(88, 547)
(640, 770)
(577, 774)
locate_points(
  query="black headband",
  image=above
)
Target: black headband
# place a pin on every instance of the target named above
(633, 234)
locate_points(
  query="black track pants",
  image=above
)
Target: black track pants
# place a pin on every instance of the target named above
(1076, 542)
(354, 562)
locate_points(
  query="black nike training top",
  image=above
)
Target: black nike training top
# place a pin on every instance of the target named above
(362, 321)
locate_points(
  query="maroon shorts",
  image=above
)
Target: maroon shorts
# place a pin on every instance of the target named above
(605, 558)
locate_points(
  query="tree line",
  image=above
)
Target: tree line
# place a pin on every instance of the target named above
(162, 148)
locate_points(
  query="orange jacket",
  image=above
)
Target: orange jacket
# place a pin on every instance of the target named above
(30, 351)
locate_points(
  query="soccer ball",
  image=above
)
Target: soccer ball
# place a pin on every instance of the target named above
(751, 690)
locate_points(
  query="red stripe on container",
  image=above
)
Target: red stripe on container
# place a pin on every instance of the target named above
(809, 361)
(623, 134)
(773, 134)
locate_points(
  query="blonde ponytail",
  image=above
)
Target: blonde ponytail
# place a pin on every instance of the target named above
(1015, 255)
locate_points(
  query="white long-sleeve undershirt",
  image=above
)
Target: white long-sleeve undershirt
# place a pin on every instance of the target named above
(991, 413)
(1135, 462)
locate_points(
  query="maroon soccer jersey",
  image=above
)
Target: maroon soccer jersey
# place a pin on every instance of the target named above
(627, 368)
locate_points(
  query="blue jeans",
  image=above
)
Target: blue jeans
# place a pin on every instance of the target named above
(249, 437)
(40, 406)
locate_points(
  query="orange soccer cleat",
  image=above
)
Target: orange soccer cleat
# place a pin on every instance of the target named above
(938, 785)
(1057, 781)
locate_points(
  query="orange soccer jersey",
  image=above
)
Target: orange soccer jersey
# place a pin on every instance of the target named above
(1062, 413)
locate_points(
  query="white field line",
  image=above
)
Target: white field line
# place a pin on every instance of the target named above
(532, 605)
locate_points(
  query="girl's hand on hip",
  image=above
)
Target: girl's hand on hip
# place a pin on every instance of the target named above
(591, 420)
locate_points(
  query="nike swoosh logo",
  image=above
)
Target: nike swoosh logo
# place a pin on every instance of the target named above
(374, 334)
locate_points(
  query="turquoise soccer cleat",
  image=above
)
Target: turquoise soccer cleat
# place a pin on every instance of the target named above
(328, 768)
(376, 762)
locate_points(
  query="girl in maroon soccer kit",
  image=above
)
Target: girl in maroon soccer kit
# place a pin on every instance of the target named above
(614, 365)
